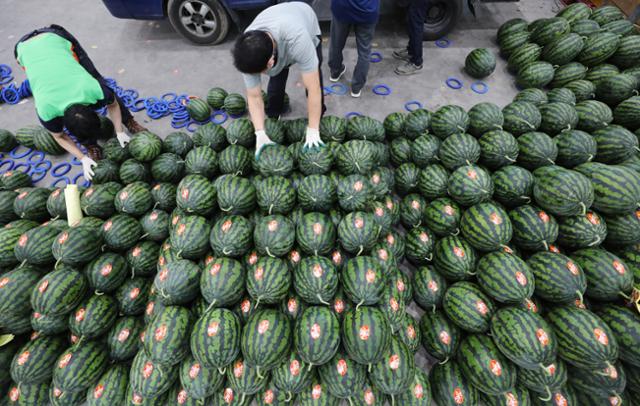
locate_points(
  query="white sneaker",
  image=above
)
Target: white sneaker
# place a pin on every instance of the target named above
(337, 78)
(356, 95)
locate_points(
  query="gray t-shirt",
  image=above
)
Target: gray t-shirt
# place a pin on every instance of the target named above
(295, 29)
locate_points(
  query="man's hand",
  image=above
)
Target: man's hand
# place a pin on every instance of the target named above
(312, 139)
(123, 138)
(87, 167)
(262, 140)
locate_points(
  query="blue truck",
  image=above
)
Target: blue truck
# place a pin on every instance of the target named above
(207, 22)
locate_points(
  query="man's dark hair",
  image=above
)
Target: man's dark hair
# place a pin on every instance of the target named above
(252, 51)
(82, 121)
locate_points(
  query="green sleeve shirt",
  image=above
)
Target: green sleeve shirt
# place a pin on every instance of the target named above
(56, 78)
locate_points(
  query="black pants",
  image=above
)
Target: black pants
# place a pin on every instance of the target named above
(86, 63)
(416, 17)
(277, 87)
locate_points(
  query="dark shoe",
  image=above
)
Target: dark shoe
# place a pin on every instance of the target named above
(335, 78)
(134, 127)
(408, 68)
(402, 54)
(94, 152)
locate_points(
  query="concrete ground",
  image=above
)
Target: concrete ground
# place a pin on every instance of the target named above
(152, 58)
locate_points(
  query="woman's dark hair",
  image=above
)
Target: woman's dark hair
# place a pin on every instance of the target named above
(82, 121)
(252, 52)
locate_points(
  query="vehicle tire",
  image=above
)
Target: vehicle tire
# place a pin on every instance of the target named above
(204, 22)
(442, 17)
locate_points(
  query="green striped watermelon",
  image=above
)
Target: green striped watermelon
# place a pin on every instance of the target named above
(428, 288)
(440, 337)
(557, 278)
(480, 63)
(532, 95)
(566, 74)
(268, 280)
(505, 277)
(93, 317)
(484, 117)
(215, 338)
(486, 227)
(513, 185)
(582, 231)
(201, 161)
(81, 366)
(468, 307)
(123, 339)
(484, 366)
(625, 324)
(177, 282)
(524, 55)
(58, 292)
(533, 228)
(366, 334)
(607, 275)
(561, 191)
(521, 117)
(448, 120)
(616, 188)
(598, 48)
(265, 339)
(167, 335)
(450, 387)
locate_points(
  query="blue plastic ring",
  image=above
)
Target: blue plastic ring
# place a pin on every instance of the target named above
(443, 43)
(375, 57)
(179, 124)
(454, 83)
(22, 165)
(190, 127)
(7, 162)
(76, 178)
(38, 154)
(5, 69)
(10, 95)
(64, 179)
(339, 89)
(234, 116)
(173, 97)
(219, 113)
(412, 106)
(137, 103)
(180, 115)
(38, 166)
(56, 172)
(5, 79)
(480, 87)
(353, 114)
(75, 161)
(382, 90)
(14, 154)
(37, 176)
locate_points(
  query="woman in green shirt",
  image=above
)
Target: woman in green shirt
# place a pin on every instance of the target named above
(67, 90)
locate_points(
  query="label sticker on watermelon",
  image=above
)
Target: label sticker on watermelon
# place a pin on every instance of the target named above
(369, 397)
(88, 193)
(379, 212)
(164, 273)
(272, 225)
(495, 367)
(98, 391)
(317, 271)
(294, 367)
(74, 338)
(238, 369)
(136, 399)
(317, 228)
(424, 237)
(263, 326)
(611, 372)
(22, 195)
(184, 192)
(458, 252)
(394, 362)
(415, 205)
(614, 400)
(364, 333)
(212, 328)
(245, 306)
(418, 391)
(357, 186)
(358, 222)
(543, 216)
(601, 336)
(495, 219)
(80, 315)
(571, 266)
(134, 293)
(107, 225)
(228, 395)
(136, 251)
(24, 357)
(370, 276)
(182, 397)
(153, 216)
(181, 229)
(160, 333)
(3, 282)
(375, 178)
(593, 218)
(553, 248)
(14, 394)
(393, 303)
(23, 240)
(531, 306)
(258, 273)
(123, 195)
(194, 371)
(57, 392)
(338, 306)
(294, 256)
(560, 400)
(336, 257)
(551, 369)
(315, 331)
(448, 210)
(400, 285)
(209, 259)
(55, 193)
(268, 397)
(411, 331)
(511, 399)
(389, 205)
(521, 278)
(458, 396)
(433, 286)
(481, 307)
(175, 219)
(292, 305)
(316, 392)
(123, 335)
(619, 267)
(383, 255)
(391, 240)
(147, 370)
(106, 269)
(542, 336)
(215, 269)
(253, 258)
(63, 238)
(341, 367)
(444, 337)
(64, 361)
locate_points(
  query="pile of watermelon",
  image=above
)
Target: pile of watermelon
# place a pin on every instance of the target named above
(504, 244)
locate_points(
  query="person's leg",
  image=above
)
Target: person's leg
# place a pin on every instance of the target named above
(338, 39)
(417, 15)
(364, 37)
(275, 94)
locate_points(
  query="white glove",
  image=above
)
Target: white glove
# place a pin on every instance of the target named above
(123, 139)
(312, 140)
(262, 140)
(87, 167)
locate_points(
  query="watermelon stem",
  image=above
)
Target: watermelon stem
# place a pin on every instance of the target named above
(270, 209)
(289, 397)
(143, 236)
(596, 242)
(269, 253)
(22, 263)
(221, 371)
(393, 400)
(550, 395)
(210, 305)
(456, 232)
(433, 309)
(625, 296)
(310, 366)
(350, 401)
(369, 368)
(324, 302)
(55, 266)
(98, 293)
(606, 371)
(584, 208)
(257, 303)
(79, 341)
(359, 304)
(546, 246)
(244, 395)
(360, 251)
(580, 298)
(444, 361)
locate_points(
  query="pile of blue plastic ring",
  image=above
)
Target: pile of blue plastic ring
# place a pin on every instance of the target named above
(169, 104)
(10, 93)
